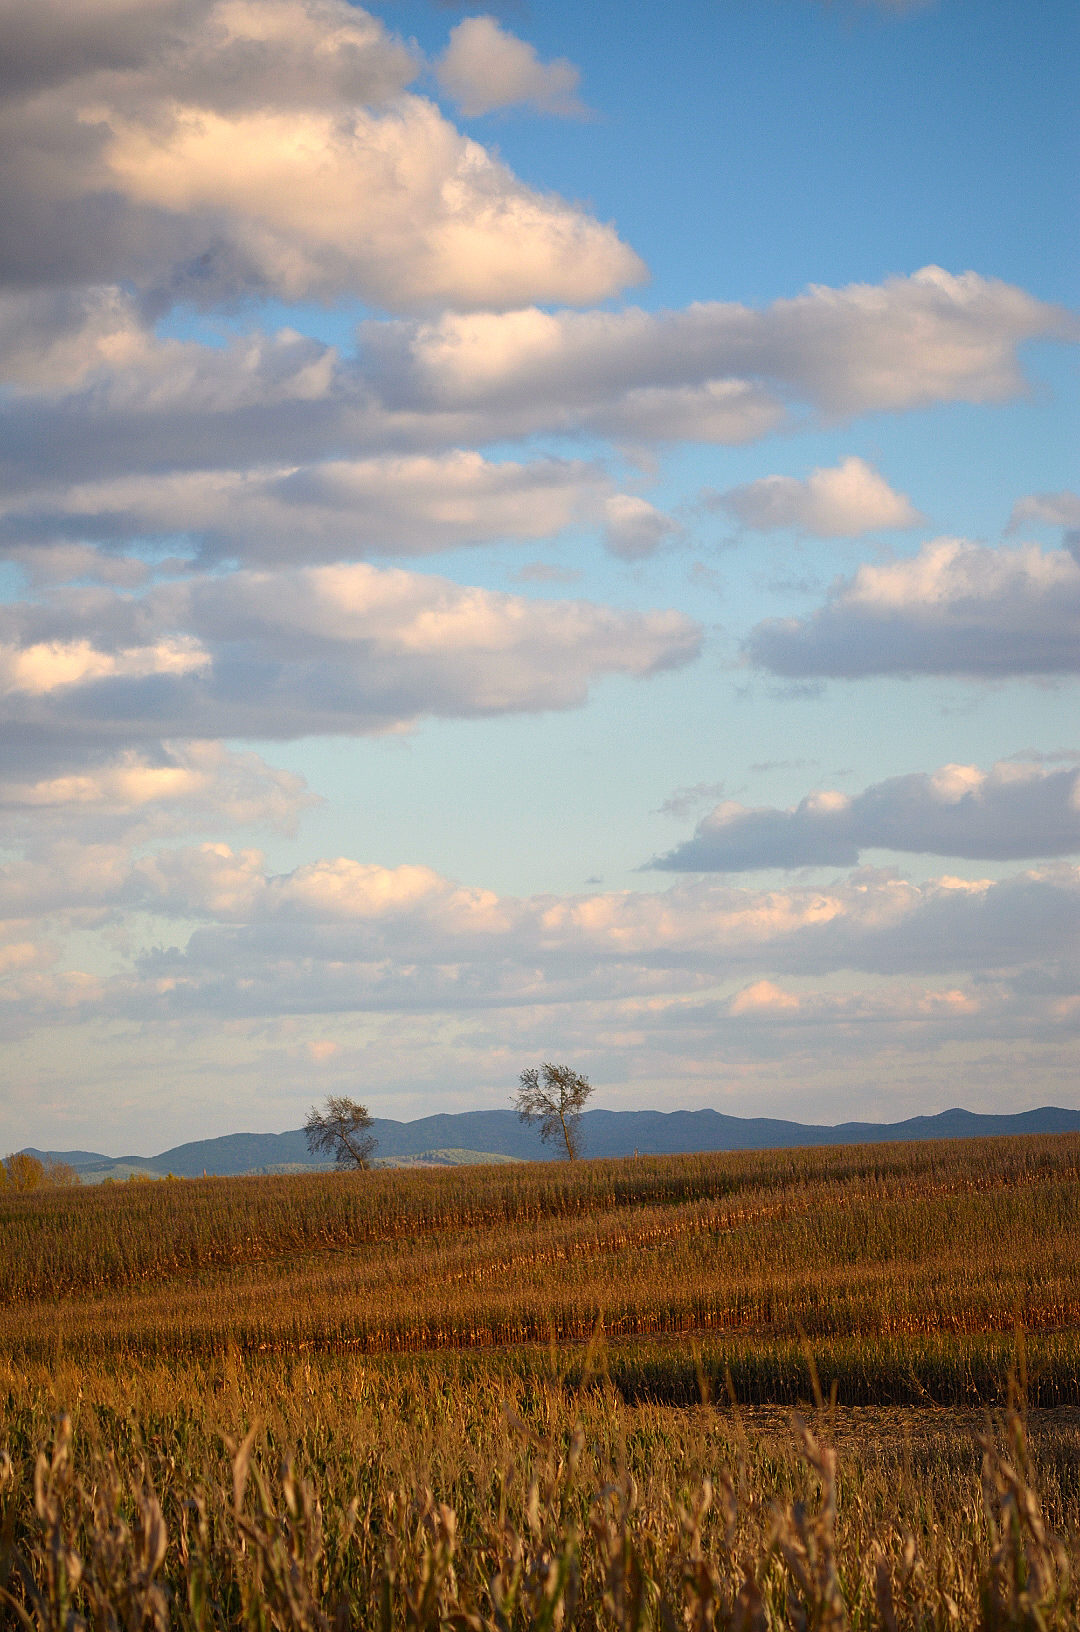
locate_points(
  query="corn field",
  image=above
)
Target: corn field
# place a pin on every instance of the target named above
(882, 1245)
(812, 1389)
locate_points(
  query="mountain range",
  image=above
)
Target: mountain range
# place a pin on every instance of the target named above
(499, 1136)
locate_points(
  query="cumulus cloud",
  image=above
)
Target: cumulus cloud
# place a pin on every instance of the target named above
(1014, 812)
(212, 880)
(840, 502)
(238, 53)
(765, 1004)
(334, 510)
(317, 209)
(267, 147)
(484, 67)
(728, 370)
(343, 649)
(97, 347)
(45, 666)
(954, 608)
(96, 394)
(634, 528)
(763, 995)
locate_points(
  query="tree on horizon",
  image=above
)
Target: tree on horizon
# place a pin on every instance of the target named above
(341, 1130)
(556, 1102)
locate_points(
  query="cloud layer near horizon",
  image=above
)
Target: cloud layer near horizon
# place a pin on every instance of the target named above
(702, 978)
(551, 948)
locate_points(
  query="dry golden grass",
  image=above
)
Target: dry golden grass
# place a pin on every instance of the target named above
(420, 1494)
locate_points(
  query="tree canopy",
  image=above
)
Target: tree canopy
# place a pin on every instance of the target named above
(21, 1171)
(554, 1096)
(341, 1130)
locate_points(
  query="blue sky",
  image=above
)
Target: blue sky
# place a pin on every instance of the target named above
(507, 554)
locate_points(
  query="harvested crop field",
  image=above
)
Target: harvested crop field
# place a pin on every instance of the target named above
(552, 1394)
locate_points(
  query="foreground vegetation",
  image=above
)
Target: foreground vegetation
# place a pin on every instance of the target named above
(500, 1398)
(420, 1495)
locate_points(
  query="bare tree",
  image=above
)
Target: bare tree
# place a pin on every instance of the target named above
(556, 1102)
(340, 1130)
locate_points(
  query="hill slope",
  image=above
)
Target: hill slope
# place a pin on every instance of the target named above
(474, 1135)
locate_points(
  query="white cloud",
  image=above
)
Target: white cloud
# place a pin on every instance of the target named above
(323, 649)
(212, 880)
(484, 67)
(905, 343)
(695, 932)
(840, 502)
(763, 995)
(635, 528)
(397, 207)
(48, 666)
(136, 795)
(954, 608)
(269, 146)
(96, 394)
(335, 510)
(1016, 811)
(868, 922)
(905, 1004)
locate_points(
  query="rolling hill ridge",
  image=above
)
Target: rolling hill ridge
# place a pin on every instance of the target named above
(498, 1135)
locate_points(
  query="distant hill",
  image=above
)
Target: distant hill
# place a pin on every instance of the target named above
(477, 1136)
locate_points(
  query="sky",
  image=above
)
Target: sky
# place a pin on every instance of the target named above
(540, 534)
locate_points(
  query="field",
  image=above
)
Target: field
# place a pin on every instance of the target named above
(506, 1393)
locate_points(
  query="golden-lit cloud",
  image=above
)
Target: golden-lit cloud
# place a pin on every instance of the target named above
(955, 608)
(844, 501)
